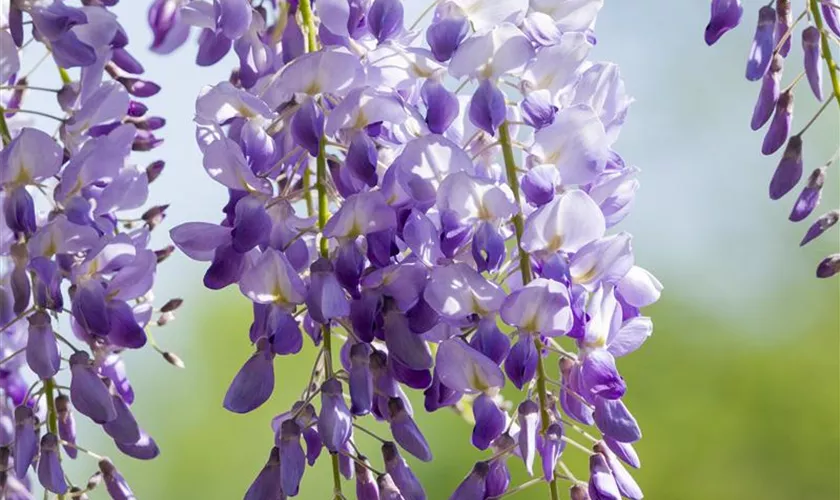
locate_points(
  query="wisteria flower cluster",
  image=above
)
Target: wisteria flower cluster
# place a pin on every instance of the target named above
(774, 37)
(74, 245)
(435, 208)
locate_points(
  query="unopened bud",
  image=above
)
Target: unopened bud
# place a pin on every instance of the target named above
(829, 266)
(171, 305)
(155, 215)
(164, 253)
(154, 170)
(820, 226)
(173, 359)
(165, 318)
(96, 478)
(578, 492)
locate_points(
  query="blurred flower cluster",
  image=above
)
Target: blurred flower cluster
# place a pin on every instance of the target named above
(76, 270)
(434, 205)
(773, 39)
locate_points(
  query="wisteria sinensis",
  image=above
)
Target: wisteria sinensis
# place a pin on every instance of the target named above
(434, 204)
(76, 270)
(816, 29)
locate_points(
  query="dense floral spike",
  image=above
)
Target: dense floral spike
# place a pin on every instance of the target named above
(439, 203)
(773, 39)
(74, 251)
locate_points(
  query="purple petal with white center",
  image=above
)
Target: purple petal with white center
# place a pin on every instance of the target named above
(604, 260)
(576, 143)
(226, 164)
(31, 156)
(457, 291)
(556, 68)
(567, 223)
(465, 369)
(503, 49)
(542, 307)
(361, 214)
(273, 280)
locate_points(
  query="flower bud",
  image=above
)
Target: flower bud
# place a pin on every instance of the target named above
(764, 41)
(789, 171)
(820, 226)
(829, 266)
(50, 473)
(813, 61)
(809, 198)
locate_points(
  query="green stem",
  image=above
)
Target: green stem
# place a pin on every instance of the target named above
(525, 269)
(826, 49)
(52, 414)
(320, 180)
(5, 136)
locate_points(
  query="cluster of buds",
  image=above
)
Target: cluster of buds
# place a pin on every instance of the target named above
(76, 271)
(771, 44)
(433, 204)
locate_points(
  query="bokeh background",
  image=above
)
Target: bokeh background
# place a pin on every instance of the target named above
(738, 390)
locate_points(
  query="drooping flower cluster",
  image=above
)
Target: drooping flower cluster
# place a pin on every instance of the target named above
(435, 208)
(76, 272)
(774, 36)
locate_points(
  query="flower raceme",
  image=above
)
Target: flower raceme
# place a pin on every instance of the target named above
(434, 206)
(74, 245)
(774, 36)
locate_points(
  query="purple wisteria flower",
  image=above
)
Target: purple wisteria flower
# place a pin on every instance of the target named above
(434, 204)
(774, 37)
(76, 267)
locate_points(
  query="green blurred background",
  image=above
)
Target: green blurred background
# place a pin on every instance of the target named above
(738, 390)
